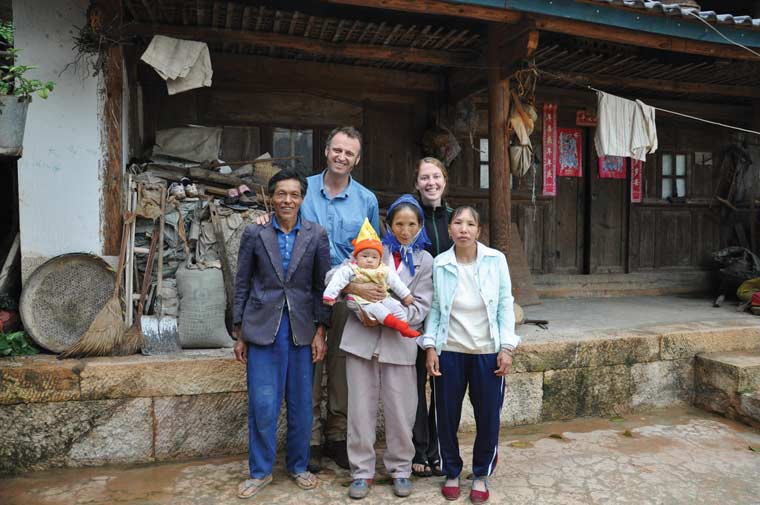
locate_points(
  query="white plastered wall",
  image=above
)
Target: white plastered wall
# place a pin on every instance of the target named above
(60, 187)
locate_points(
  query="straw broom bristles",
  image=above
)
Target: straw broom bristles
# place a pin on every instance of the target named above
(106, 333)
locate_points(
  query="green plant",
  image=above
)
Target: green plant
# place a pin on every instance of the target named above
(12, 80)
(16, 344)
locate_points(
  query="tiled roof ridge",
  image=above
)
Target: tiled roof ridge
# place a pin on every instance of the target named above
(674, 9)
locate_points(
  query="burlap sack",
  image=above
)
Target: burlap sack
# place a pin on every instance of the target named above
(201, 309)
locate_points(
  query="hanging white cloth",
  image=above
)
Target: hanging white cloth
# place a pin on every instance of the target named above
(183, 64)
(626, 128)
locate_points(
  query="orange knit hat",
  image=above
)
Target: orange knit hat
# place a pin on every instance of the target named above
(367, 239)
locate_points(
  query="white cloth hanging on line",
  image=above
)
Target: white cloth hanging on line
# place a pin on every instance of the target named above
(625, 128)
(183, 64)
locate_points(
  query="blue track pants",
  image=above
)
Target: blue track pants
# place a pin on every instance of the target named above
(459, 371)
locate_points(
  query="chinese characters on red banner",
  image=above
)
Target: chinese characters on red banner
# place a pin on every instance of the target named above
(637, 169)
(550, 149)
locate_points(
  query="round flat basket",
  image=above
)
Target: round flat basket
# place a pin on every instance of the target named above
(62, 297)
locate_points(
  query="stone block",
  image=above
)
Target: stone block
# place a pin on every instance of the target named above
(625, 349)
(189, 373)
(729, 383)
(41, 435)
(38, 380)
(662, 383)
(708, 337)
(125, 437)
(201, 425)
(607, 350)
(582, 392)
(523, 399)
(545, 356)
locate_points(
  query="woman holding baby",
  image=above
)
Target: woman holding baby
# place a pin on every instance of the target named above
(380, 362)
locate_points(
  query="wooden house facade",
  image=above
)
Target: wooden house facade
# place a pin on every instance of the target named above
(285, 73)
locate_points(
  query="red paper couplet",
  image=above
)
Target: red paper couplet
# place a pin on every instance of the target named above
(637, 170)
(550, 149)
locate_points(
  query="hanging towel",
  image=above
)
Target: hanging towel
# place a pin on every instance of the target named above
(183, 64)
(626, 128)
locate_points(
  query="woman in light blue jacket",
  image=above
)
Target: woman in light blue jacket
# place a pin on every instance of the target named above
(469, 339)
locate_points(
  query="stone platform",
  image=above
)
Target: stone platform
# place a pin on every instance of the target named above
(600, 357)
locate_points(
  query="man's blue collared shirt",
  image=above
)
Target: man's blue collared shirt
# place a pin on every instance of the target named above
(342, 216)
(285, 242)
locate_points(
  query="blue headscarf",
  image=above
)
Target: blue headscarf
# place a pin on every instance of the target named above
(418, 242)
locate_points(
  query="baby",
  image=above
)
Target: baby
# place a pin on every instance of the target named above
(367, 266)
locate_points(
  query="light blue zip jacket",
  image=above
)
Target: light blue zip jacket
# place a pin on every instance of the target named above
(492, 276)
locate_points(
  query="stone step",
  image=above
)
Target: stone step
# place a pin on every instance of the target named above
(729, 383)
(630, 284)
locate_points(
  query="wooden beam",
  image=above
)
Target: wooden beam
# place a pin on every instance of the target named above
(440, 8)
(307, 45)
(663, 85)
(500, 193)
(640, 38)
(243, 70)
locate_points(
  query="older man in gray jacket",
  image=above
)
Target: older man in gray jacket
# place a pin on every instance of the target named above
(280, 325)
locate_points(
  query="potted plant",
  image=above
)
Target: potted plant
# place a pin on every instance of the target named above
(15, 94)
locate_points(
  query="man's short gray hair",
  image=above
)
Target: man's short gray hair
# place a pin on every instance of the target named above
(348, 131)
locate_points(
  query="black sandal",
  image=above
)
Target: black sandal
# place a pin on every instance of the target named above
(427, 472)
(435, 468)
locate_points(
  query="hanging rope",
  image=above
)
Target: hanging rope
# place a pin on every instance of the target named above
(583, 85)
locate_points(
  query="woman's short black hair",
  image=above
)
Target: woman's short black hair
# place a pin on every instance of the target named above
(284, 175)
(459, 210)
(401, 206)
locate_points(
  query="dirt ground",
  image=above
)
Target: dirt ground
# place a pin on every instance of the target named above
(671, 457)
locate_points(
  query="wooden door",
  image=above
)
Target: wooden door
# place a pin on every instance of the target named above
(607, 244)
(569, 205)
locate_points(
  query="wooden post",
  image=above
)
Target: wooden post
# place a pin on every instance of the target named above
(499, 195)
(112, 119)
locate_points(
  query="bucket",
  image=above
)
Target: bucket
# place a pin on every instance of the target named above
(12, 122)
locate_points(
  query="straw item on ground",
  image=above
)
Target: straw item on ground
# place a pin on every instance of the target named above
(106, 333)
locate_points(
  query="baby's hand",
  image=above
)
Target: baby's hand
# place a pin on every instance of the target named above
(407, 300)
(328, 301)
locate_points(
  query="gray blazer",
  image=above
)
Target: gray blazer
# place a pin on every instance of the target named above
(262, 288)
(391, 347)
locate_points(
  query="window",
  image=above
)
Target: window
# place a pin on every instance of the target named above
(296, 144)
(673, 173)
(483, 164)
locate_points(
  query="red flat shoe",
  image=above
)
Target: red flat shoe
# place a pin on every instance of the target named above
(479, 496)
(451, 493)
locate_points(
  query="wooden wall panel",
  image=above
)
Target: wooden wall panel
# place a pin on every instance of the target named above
(705, 237)
(531, 222)
(643, 238)
(674, 234)
(568, 218)
(287, 109)
(389, 151)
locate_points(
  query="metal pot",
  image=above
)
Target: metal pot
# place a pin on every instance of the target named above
(12, 123)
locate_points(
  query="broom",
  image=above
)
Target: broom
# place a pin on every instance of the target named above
(106, 332)
(134, 339)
